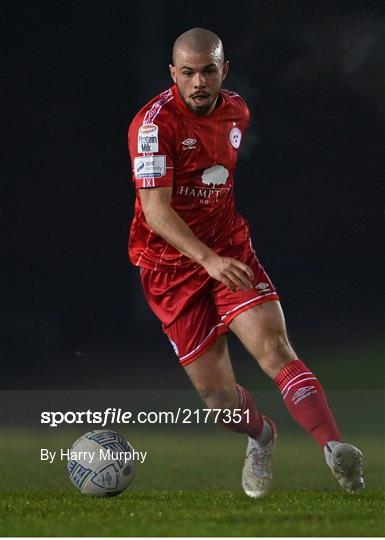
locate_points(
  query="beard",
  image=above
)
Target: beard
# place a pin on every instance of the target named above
(201, 107)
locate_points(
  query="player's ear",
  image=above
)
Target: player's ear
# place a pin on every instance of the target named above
(172, 72)
(226, 67)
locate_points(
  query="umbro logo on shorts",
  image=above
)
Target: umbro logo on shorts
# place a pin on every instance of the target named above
(262, 286)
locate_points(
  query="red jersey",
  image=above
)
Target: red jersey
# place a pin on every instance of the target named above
(195, 155)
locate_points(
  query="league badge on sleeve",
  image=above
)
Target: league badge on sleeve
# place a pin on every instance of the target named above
(148, 139)
(149, 167)
(235, 137)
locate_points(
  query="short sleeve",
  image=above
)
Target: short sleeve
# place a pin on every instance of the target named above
(151, 154)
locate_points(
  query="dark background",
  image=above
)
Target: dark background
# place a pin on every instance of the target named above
(309, 181)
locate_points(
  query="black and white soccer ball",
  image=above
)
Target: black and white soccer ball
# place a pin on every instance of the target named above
(101, 463)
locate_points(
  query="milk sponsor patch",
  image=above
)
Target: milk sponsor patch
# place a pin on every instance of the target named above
(148, 139)
(149, 166)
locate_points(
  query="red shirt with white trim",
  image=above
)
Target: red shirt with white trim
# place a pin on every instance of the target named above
(196, 155)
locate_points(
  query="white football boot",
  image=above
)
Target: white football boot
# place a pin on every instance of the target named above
(257, 474)
(345, 462)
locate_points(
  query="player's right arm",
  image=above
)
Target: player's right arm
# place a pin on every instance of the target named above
(166, 222)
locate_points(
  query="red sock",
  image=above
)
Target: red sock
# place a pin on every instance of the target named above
(251, 422)
(306, 401)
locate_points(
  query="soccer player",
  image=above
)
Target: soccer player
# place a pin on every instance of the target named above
(198, 268)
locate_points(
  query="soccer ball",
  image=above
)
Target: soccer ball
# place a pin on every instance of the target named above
(100, 463)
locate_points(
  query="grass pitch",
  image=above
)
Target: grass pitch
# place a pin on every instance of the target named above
(189, 486)
(193, 513)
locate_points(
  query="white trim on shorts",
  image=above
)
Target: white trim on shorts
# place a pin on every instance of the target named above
(245, 303)
(182, 358)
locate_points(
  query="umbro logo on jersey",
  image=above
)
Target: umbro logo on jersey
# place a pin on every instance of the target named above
(189, 144)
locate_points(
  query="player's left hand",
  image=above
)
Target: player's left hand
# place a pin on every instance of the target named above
(232, 273)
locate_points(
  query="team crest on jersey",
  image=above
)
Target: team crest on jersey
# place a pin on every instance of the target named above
(235, 137)
(148, 139)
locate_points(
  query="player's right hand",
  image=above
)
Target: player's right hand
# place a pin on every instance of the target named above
(232, 273)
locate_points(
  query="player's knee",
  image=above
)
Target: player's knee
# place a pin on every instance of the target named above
(275, 352)
(220, 398)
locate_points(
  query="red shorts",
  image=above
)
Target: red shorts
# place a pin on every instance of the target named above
(195, 309)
